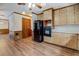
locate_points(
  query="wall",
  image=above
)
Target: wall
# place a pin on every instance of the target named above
(3, 20)
(34, 17)
(15, 22)
(3, 24)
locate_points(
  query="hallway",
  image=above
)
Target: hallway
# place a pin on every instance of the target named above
(30, 48)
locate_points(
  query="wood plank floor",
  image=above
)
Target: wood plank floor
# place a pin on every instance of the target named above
(27, 47)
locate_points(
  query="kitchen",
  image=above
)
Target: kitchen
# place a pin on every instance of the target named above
(64, 24)
(42, 29)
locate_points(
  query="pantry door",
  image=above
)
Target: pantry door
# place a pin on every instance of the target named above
(26, 28)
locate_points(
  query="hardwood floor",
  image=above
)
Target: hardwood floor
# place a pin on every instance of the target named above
(27, 47)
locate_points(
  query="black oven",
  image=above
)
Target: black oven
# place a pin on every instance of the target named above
(47, 31)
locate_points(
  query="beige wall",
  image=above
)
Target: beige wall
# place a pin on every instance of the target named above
(3, 24)
(15, 22)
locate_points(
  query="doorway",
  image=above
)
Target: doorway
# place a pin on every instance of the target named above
(26, 28)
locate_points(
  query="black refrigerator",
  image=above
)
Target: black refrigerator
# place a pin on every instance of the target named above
(38, 31)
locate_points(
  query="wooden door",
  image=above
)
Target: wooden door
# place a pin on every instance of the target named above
(26, 27)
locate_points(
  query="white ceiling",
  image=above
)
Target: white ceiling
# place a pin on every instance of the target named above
(8, 8)
(52, 5)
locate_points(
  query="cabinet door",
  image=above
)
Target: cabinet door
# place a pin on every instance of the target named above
(63, 16)
(47, 39)
(78, 42)
(57, 17)
(60, 38)
(56, 38)
(48, 15)
(65, 39)
(72, 43)
(70, 15)
(77, 14)
(40, 17)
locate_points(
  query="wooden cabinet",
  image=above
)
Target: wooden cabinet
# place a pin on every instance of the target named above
(55, 38)
(40, 16)
(57, 17)
(72, 43)
(64, 39)
(77, 14)
(67, 40)
(60, 38)
(60, 16)
(70, 15)
(63, 16)
(47, 39)
(78, 41)
(48, 14)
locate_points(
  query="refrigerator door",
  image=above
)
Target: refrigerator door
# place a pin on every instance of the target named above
(38, 31)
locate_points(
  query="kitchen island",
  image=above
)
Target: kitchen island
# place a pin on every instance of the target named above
(66, 35)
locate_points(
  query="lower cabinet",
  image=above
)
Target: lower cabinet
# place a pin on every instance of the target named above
(47, 39)
(73, 43)
(78, 42)
(60, 38)
(64, 39)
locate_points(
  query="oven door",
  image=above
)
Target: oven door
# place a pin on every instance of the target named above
(47, 31)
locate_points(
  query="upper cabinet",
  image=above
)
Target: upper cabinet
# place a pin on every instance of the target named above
(57, 17)
(63, 16)
(40, 16)
(48, 14)
(70, 15)
(77, 14)
(67, 15)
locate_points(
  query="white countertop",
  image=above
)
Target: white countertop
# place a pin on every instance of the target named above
(67, 29)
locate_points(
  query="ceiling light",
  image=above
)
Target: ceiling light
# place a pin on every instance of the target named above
(33, 5)
(23, 13)
(30, 5)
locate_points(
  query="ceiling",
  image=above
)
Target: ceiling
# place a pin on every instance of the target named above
(7, 8)
(51, 5)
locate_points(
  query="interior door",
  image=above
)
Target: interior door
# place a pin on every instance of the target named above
(26, 28)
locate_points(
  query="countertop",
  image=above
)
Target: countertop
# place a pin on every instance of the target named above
(67, 29)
